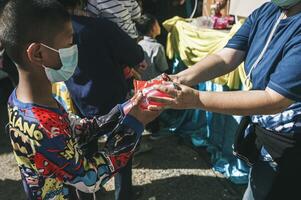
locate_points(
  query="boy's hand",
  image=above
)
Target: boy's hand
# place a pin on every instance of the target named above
(144, 116)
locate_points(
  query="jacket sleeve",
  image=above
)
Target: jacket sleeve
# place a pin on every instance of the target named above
(59, 155)
(86, 129)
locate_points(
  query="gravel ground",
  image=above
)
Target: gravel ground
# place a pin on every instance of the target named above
(171, 171)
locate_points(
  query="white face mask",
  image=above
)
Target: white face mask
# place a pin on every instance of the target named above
(69, 59)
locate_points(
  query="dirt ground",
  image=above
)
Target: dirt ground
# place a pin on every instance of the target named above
(173, 170)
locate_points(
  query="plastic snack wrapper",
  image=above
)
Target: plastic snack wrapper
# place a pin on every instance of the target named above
(148, 89)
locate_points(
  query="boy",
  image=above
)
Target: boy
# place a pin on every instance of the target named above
(46, 141)
(149, 27)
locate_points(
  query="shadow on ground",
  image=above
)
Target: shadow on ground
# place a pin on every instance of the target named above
(182, 188)
(167, 154)
(175, 188)
(171, 153)
(11, 190)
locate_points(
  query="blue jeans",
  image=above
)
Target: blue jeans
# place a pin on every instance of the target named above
(261, 178)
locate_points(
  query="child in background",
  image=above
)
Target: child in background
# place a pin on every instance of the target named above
(46, 140)
(149, 28)
(154, 54)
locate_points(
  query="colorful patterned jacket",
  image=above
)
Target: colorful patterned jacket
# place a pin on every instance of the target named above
(48, 142)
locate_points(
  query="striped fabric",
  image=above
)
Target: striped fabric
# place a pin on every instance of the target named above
(121, 12)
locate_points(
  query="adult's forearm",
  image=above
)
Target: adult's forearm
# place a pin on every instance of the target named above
(209, 68)
(212, 66)
(243, 102)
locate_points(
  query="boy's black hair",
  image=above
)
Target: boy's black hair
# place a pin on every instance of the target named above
(26, 21)
(145, 24)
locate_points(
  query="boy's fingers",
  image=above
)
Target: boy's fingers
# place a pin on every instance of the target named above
(158, 109)
(164, 100)
(153, 111)
(136, 99)
(155, 108)
(139, 96)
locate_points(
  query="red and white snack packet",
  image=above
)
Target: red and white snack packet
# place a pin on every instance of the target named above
(148, 89)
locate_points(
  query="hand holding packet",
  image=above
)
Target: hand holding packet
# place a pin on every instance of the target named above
(149, 88)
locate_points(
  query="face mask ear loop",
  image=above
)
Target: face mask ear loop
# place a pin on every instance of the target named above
(44, 45)
(48, 47)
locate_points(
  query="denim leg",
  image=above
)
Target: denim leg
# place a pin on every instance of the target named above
(261, 178)
(123, 183)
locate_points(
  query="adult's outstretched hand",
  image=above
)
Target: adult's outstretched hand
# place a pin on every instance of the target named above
(181, 97)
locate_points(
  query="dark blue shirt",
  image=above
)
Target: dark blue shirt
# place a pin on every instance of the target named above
(280, 67)
(98, 83)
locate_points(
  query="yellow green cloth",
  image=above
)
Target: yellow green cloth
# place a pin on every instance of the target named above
(192, 44)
